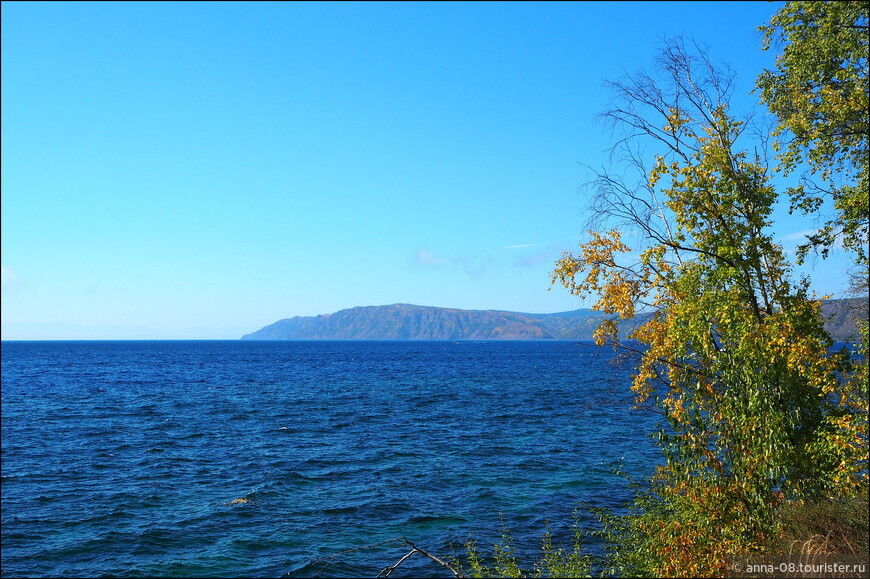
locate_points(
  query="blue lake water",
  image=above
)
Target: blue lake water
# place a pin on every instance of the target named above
(126, 459)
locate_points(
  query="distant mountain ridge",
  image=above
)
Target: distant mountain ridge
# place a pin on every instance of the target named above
(410, 322)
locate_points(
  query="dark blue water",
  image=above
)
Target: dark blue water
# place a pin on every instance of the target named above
(263, 459)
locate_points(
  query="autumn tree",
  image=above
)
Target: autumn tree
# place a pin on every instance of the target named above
(819, 94)
(733, 352)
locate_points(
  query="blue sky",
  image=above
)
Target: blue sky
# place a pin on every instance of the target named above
(199, 170)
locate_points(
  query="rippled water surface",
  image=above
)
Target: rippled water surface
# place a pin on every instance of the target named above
(263, 459)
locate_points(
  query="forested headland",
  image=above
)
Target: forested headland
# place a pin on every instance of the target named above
(411, 322)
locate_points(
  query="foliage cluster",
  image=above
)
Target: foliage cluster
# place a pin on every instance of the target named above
(819, 93)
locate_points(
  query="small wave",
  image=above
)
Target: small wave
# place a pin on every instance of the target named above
(155, 539)
(340, 510)
(192, 435)
(431, 519)
(294, 476)
(101, 432)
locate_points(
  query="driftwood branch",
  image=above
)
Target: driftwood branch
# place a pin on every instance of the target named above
(415, 549)
(387, 570)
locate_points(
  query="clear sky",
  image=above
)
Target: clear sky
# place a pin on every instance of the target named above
(200, 170)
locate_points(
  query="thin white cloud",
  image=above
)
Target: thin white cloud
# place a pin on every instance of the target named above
(428, 259)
